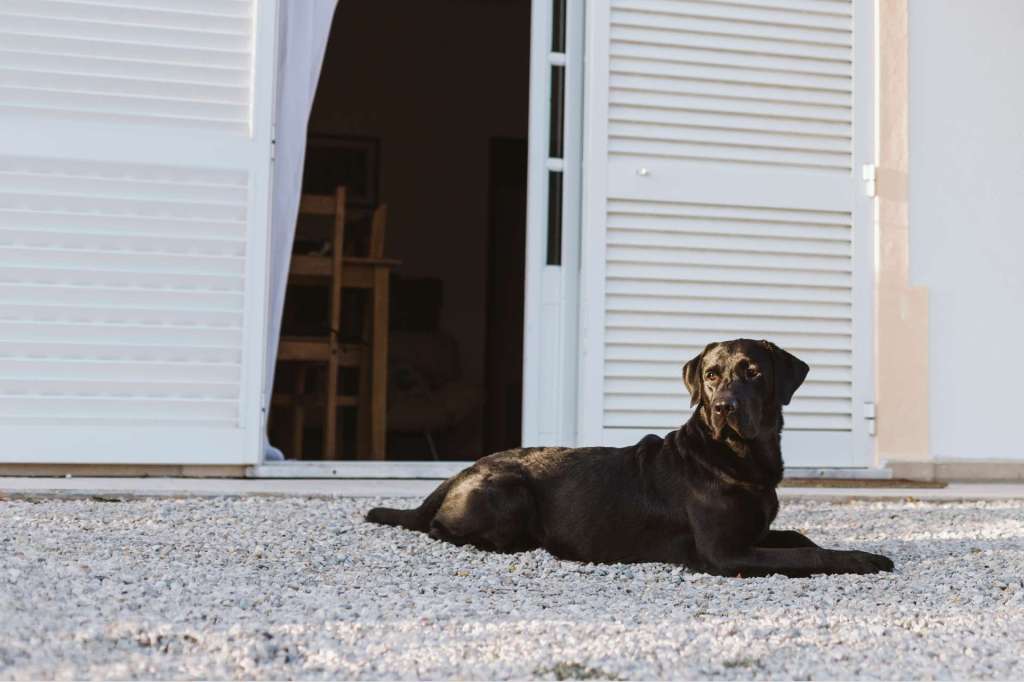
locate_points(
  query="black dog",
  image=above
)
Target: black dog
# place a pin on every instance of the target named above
(702, 496)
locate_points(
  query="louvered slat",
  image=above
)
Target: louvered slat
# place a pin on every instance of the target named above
(160, 350)
(647, 420)
(689, 338)
(725, 273)
(829, 384)
(24, 368)
(40, 410)
(669, 358)
(204, 15)
(797, 310)
(159, 61)
(56, 294)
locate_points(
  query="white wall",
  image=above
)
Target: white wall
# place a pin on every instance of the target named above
(967, 217)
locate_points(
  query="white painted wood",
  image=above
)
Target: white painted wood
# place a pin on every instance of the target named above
(592, 246)
(571, 221)
(535, 384)
(722, 199)
(551, 326)
(134, 197)
(862, 452)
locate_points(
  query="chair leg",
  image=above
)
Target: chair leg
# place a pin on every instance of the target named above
(334, 316)
(430, 443)
(298, 411)
(363, 421)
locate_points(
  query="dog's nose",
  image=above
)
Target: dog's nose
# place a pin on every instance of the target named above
(724, 407)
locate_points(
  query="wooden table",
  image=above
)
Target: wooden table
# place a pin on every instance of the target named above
(370, 274)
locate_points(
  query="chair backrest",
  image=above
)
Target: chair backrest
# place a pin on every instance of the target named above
(377, 227)
(327, 205)
(321, 205)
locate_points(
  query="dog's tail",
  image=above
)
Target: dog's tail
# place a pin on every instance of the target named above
(413, 519)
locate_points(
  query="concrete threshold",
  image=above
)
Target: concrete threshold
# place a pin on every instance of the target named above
(218, 487)
(439, 470)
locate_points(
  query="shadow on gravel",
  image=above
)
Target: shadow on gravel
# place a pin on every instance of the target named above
(575, 671)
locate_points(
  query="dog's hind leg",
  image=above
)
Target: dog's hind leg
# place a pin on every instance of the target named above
(414, 519)
(491, 512)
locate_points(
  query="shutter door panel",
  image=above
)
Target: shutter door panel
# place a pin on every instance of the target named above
(133, 229)
(728, 208)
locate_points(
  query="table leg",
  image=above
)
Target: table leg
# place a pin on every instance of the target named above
(363, 420)
(331, 402)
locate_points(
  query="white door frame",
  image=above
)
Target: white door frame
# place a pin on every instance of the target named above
(595, 191)
(551, 310)
(864, 232)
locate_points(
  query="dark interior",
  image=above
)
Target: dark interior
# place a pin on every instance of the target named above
(422, 106)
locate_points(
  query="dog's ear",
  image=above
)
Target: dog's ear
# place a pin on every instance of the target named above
(693, 378)
(789, 372)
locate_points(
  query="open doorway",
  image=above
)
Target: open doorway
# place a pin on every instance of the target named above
(422, 108)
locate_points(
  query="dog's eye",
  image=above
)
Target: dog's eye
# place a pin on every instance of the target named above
(753, 372)
(711, 375)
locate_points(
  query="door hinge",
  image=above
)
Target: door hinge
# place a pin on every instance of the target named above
(869, 417)
(867, 174)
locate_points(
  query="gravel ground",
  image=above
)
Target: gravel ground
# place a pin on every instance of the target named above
(302, 588)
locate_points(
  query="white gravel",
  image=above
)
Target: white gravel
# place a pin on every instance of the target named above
(303, 588)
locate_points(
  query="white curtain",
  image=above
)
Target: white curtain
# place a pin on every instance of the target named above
(303, 28)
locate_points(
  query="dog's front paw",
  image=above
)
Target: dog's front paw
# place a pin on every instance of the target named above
(855, 561)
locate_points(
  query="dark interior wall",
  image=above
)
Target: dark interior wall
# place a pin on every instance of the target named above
(435, 81)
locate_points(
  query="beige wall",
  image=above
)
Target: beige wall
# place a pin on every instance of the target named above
(901, 322)
(435, 80)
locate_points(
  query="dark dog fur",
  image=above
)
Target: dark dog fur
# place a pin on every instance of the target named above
(702, 496)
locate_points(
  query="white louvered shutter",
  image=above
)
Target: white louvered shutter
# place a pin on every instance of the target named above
(723, 200)
(134, 168)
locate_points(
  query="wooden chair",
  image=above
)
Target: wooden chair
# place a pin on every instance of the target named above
(368, 356)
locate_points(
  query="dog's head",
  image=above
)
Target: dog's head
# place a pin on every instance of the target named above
(742, 385)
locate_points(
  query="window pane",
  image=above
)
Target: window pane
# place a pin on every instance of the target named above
(555, 135)
(554, 218)
(558, 26)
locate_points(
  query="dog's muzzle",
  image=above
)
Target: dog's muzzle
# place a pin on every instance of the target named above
(727, 412)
